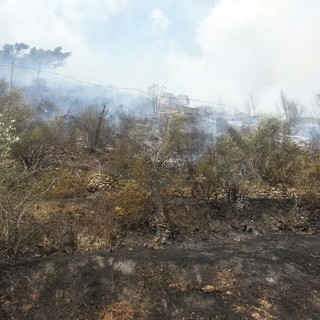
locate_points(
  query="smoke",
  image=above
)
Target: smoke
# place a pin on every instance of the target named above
(254, 47)
(209, 50)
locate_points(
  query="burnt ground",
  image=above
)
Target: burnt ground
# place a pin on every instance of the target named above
(264, 276)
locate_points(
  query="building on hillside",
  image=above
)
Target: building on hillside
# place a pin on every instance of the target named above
(183, 100)
(171, 105)
(167, 99)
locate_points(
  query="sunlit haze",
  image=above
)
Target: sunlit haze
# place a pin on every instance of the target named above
(216, 50)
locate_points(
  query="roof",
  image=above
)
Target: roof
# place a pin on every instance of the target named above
(167, 95)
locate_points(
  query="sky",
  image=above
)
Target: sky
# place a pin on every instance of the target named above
(216, 50)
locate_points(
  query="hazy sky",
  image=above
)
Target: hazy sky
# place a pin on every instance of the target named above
(207, 49)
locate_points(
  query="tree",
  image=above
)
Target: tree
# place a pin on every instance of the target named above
(4, 88)
(153, 150)
(317, 100)
(272, 152)
(224, 168)
(9, 52)
(33, 146)
(48, 58)
(9, 100)
(207, 180)
(155, 93)
(292, 111)
(96, 125)
(12, 118)
(181, 138)
(307, 178)
(7, 136)
(22, 55)
(232, 164)
(252, 105)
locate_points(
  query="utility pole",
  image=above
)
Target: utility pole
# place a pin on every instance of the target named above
(11, 76)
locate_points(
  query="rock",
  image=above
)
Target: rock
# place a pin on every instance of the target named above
(151, 245)
(208, 288)
(270, 280)
(97, 182)
(235, 224)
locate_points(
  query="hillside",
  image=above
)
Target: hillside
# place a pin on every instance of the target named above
(108, 215)
(260, 277)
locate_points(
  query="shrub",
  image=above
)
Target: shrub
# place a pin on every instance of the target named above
(33, 146)
(67, 183)
(130, 204)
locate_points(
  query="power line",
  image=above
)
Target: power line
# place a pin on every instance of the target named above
(115, 87)
(215, 103)
(78, 80)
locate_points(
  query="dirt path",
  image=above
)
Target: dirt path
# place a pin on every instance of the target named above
(265, 277)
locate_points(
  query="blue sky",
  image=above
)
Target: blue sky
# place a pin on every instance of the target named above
(208, 49)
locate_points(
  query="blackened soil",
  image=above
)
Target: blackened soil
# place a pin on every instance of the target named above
(261, 277)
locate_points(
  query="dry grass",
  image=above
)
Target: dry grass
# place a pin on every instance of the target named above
(120, 310)
(263, 311)
(127, 310)
(130, 203)
(98, 228)
(181, 283)
(224, 281)
(68, 184)
(44, 209)
(179, 279)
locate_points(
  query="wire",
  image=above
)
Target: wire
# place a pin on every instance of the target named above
(77, 80)
(114, 87)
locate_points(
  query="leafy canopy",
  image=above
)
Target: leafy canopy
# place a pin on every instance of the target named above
(23, 55)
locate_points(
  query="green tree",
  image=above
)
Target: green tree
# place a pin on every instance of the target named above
(181, 138)
(273, 153)
(207, 180)
(21, 55)
(233, 164)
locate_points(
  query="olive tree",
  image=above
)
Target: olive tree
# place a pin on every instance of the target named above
(273, 153)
